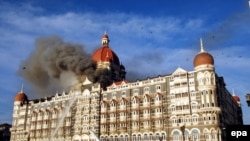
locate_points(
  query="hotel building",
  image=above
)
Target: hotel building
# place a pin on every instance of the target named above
(182, 106)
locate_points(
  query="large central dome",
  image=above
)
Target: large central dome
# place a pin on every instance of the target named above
(105, 54)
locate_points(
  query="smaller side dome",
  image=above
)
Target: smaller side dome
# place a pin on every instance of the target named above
(203, 57)
(236, 98)
(21, 97)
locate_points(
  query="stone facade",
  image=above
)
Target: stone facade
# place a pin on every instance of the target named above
(185, 105)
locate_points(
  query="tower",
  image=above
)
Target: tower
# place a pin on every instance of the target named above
(106, 58)
(20, 113)
(204, 66)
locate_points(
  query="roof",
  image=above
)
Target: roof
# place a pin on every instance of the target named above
(21, 97)
(104, 53)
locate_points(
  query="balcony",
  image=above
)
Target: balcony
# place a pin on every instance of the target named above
(145, 116)
(179, 112)
(33, 119)
(53, 125)
(112, 109)
(54, 116)
(210, 109)
(103, 130)
(39, 127)
(103, 120)
(123, 118)
(113, 130)
(135, 117)
(45, 126)
(33, 127)
(147, 128)
(122, 129)
(68, 124)
(146, 104)
(122, 108)
(40, 118)
(135, 128)
(46, 117)
(112, 120)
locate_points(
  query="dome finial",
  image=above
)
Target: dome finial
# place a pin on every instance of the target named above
(21, 89)
(105, 39)
(233, 93)
(201, 43)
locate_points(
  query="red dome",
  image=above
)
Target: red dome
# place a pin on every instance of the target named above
(105, 54)
(21, 97)
(203, 58)
(236, 98)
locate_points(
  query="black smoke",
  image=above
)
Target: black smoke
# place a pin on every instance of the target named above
(56, 65)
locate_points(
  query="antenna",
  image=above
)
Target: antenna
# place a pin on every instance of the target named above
(201, 43)
(21, 89)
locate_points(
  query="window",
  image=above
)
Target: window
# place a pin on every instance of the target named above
(176, 136)
(126, 138)
(145, 137)
(194, 106)
(150, 137)
(113, 95)
(158, 88)
(112, 104)
(135, 91)
(158, 98)
(173, 108)
(195, 118)
(146, 90)
(139, 137)
(134, 138)
(174, 121)
(124, 94)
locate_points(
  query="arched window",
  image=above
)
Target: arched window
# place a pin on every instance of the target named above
(146, 90)
(163, 135)
(121, 138)
(157, 136)
(134, 138)
(173, 108)
(194, 106)
(176, 135)
(113, 104)
(195, 134)
(158, 88)
(174, 121)
(126, 137)
(150, 137)
(111, 138)
(195, 118)
(145, 137)
(139, 137)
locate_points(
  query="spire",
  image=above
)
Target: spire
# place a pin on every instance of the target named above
(105, 39)
(21, 89)
(201, 43)
(233, 93)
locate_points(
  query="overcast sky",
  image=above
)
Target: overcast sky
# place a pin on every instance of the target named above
(151, 37)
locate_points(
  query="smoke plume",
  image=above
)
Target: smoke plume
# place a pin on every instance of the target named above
(56, 65)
